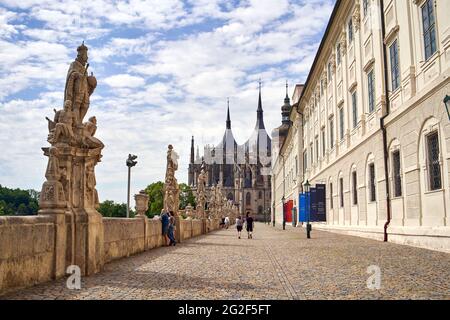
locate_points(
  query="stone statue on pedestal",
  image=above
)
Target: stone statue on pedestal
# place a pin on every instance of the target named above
(171, 188)
(201, 193)
(69, 193)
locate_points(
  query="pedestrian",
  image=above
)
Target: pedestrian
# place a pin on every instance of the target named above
(239, 224)
(172, 227)
(227, 222)
(165, 226)
(222, 222)
(250, 224)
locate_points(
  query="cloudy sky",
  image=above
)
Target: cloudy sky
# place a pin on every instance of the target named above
(164, 69)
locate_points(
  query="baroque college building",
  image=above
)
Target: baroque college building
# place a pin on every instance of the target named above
(242, 170)
(371, 124)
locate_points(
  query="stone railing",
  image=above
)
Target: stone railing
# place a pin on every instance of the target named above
(28, 250)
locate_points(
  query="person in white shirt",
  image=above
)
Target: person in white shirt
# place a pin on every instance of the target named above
(239, 225)
(227, 222)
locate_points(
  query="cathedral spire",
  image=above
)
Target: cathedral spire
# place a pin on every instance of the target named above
(192, 149)
(228, 114)
(259, 111)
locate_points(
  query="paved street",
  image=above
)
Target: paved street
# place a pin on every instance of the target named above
(276, 264)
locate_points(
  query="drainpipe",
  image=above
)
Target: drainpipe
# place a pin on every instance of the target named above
(382, 125)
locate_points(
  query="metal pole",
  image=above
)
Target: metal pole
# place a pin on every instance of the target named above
(128, 193)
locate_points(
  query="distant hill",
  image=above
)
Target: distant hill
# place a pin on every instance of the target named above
(18, 202)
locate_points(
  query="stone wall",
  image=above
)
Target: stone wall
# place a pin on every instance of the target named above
(28, 248)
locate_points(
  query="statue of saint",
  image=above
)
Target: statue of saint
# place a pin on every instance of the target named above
(171, 189)
(79, 85)
(88, 139)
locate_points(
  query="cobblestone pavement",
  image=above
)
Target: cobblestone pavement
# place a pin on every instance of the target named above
(275, 264)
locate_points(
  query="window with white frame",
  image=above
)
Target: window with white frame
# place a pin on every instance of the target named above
(429, 28)
(371, 90)
(341, 192)
(305, 161)
(316, 141)
(354, 109)
(395, 71)
(341, 123)
(331, 195)
(323, 142)
(338, 54)
(331, 132)
(365, 7)
(350, 30)
(329, 71)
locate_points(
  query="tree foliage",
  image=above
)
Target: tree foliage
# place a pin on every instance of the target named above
(186, 196)
(109, 208)
(156, 198)
(18, 201)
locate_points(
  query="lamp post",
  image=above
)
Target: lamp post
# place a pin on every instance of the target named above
(447, 105)
(308, 197)
(284, 214)
(130, 163)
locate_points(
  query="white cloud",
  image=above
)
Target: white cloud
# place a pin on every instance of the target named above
(124, 81)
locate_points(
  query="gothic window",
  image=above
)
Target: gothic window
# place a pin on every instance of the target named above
(397, 175)
(230, 196)
(372, 190)
(429, 26)
(248, 199)
(434, 167)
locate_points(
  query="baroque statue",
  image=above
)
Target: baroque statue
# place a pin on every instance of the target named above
(171, 188)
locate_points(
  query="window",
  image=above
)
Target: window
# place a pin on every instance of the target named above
(312, 153)
(350, 30)
(395, 72)
(248, 199)
(331, 195)
(338, 54)
(323, 142)
(305, 161)
(429, 29)
(321, 87)
(341, 123)
(341, 192)
(329, 72)
(396, 173)
(372, 182)
(260, 195)
(365, 7)
(354, 110)
(371, 90)
(331, 133)
(296, 165)
(434, 167)
(317, 148)
(355, 188)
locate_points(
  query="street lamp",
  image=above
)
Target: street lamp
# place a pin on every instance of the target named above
(284, 214)
(308, 197)
(130, 163)
(447, 105)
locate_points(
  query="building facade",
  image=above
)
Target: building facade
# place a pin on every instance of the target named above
(242, 170)
(375, 129)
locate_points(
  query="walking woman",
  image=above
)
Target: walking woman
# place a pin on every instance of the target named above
(239, 224)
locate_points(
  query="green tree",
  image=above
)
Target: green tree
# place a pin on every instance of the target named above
(18, 202)
(186, 196)
(109, 208)
(156, 198)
